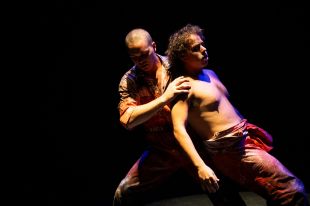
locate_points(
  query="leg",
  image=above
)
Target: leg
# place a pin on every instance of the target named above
(228, 193)
(260, 172)
(273, 180)
(148, 173)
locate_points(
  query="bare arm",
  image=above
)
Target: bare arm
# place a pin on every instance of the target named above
(144, 112)
(208, 179)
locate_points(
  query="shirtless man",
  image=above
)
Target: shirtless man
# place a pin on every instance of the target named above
(237, 149)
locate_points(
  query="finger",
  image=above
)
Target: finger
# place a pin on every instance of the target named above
(185, 86)
(214, 180)
(181, 81)
(212, 184)
(179, 78)
(215, 185)
(209, 188)
(212, 187)
(215, 177)
(182, 91)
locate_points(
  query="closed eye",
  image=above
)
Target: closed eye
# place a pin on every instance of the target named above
(196, 48)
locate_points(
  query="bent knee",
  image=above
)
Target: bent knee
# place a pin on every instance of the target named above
(121, 190)
(124, 188)
(296, 194)
(125, 193)
(298, 186)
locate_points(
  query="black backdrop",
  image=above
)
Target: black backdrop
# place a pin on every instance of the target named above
(81, 152)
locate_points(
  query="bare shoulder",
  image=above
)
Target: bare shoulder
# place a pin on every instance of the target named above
(210, 73)
(215, 79)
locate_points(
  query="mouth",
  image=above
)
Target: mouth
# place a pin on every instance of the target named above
(205, 58)
(143, 66)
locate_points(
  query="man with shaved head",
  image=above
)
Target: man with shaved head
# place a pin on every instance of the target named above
(144, 98)
(146, 93)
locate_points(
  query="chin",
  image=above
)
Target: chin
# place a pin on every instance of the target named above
(204, 64)
(204, 61)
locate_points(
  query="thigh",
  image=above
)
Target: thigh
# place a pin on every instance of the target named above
(150, 170)
(268, 176)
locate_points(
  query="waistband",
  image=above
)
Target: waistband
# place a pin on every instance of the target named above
(237, 130)
(229, 140)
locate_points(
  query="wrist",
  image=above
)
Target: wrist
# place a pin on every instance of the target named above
(163, 100)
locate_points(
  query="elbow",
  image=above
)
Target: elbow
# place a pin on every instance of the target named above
(127, 125)
(179, 131)
(176, 133)
(125, 120)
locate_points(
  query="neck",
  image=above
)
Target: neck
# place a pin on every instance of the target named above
(193, 73)
(156, 67)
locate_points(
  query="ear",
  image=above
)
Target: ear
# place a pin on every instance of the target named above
(154, 45)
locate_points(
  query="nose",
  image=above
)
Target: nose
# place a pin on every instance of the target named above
(205, 53)
(203, 50)
(138, 59)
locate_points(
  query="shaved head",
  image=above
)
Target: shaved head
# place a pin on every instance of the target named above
(138, 36)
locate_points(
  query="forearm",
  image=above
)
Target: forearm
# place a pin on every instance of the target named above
(142, 113)
(187, 145)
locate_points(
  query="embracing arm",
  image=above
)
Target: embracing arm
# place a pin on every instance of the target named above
(141, 113)
(208, 179)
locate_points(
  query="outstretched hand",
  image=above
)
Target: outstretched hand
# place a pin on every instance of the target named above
(208, 179)
(180, 85)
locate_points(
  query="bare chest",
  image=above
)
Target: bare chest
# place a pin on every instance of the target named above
(206, 96)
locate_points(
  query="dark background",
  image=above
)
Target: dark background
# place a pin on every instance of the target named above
(79, 152)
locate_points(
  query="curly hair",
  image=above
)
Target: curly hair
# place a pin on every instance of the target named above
(178, 47)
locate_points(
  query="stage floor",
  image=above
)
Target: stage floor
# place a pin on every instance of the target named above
(251, 199)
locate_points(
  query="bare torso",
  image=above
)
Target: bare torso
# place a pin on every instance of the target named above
(210, 110)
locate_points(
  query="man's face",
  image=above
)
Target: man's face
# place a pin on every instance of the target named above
(142, 54)
(197, 56)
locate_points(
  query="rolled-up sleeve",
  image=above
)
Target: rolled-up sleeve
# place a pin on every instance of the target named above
(128, 99)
